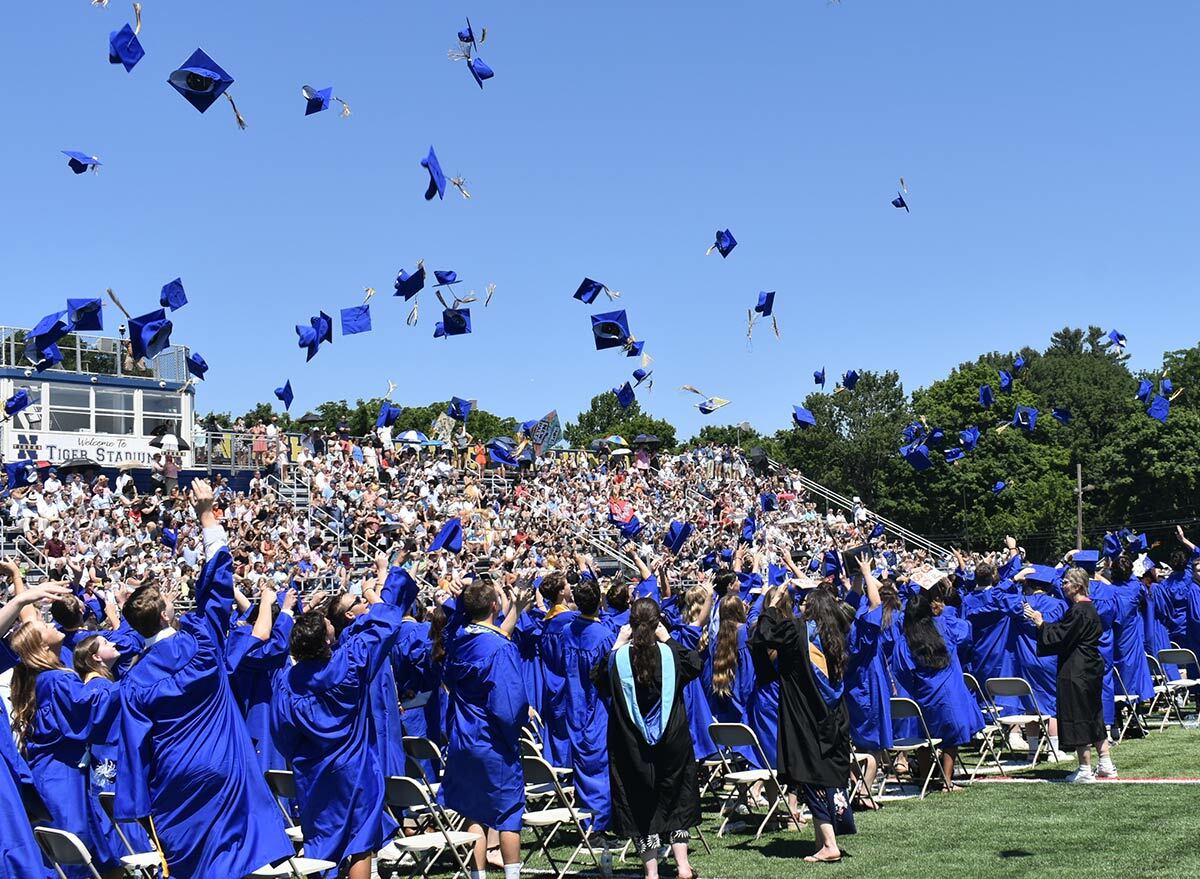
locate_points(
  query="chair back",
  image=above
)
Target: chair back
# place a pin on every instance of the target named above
(528, 748)
(63, 847)
(973, 687)
(421, 748)
(1177, 656)
(1009, 687)
(282, 783)
(401, 792)
(727, 736)
(538, 771)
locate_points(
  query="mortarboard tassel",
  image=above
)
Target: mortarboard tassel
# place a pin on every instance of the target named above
(117, 303)
(693, 389)
(1171, 399)
(411, 320)
(483, 35)
(775, 326)
(438, 294)
(612, 294)
(187, 384)
(100, 4)
(466, 300)
(345, 107)
(241, 123)
(370, 291)
(137, 18)
(491, 288)
(749, 324)
(391, 387)
(646, 361)
(460, 183)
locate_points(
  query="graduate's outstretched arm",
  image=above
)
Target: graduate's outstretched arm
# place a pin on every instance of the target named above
(870, 584)
(28, 599)
(263, 621)
(1191, 547)
(522, 598)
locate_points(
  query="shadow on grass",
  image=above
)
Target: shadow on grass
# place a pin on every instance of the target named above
(1014, 853)
(783, 847)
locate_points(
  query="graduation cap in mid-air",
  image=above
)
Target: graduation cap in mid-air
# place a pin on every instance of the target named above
(634, 347)
(1159, 408)
(454, 322)
(849, 380)
(803, 418)
(446, 278)
(285, 395)
(641, 375)
(172, 295)
(17, 403)
(724, 244)
(999, 486)
(356, 319)
(707, 405)
(955, 453)
(85, 315)
(1005, 381)
(610, 329)
(80, 162)
(1145, 389)
(449, 538)
(479, 69)
(196, 365)
(437, 180)
(917, 454)
(764, 309)
(1018, 365)
(409, 285)
(45, 335)
(320, 329)
(899, 202)
(201, 81)
(1025, 417)
(589, 290)
(1116, 339)
(317, 100)
(1061, 415)
(124, 48)
(677, 535)
(21, 474)
(459, 409)
(149, 334)
(624, 395)
(986, 397)
(969, 437)
(388, 413)
(819, 377)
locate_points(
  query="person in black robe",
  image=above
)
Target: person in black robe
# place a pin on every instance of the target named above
(814, 728)
(1075, 640)
(652, 767)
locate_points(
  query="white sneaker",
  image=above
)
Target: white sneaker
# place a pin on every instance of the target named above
(1081, 775)
(1017, 742)
(1106, 771)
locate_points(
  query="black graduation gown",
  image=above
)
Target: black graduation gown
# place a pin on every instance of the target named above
(814, 739)
(654, 787)
(1075, 640)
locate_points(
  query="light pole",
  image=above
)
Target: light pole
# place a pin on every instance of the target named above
(1080, 490)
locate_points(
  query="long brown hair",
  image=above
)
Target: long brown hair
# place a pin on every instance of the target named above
(27, 642)
(643, 642)
(85, 661)
(725, 656)
(832, 617)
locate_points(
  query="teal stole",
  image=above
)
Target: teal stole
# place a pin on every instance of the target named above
(651, 726)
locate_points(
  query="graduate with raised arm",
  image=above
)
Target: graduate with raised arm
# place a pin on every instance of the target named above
(868, 689)
(1039, 585)
(185, 756)
(1075, 641)
(557, 592)
(20, 856)
(321, 721)
(484, 781)
(696, 608)
(992, 609)
(1129, 632)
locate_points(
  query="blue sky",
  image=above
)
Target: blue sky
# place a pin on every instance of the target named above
(1050, 150)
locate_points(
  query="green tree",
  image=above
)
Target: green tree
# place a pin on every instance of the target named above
(605, 417)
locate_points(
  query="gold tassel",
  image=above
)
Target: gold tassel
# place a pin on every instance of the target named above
(460, 183)
(137, 17)
(117, 303)
(839, 389)
(1174, 395)
(370, 291)
(411, 320)
(1003, 427)
(236, 115)
(646, 360)
(166, 869)
(345, 107)
(187, 384)
(710, 250)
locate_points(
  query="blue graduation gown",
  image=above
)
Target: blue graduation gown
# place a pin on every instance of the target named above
(1040, 671)
(694, 698)
(734, 707)
(484, 781)
(412, 665)
(322, 722)
(951, 713)
(256, 670)
(868, 690)
(1104, 599)
(527, 637)
(587, 644)
(1178, 600)
(993, 654)
(1129, 640)
(185, 756)
(557, 742)
(20, 856)
(1158, 635)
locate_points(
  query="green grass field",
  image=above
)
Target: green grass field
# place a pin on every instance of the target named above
(999, 829)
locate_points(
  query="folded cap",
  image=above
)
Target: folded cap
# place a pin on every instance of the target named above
(634, 348)
(449, 538)
(1005, 381)
(803, 418)
(610, 329)
(48, 331)
(1018, 365)
(455, 322)
(21, 474)
(437, 180)
(80, 162)
(124, 48)
(196, 365)
(1112, 546)
(986, 397)
(1145, 389)
(1166, 387)
(85, 315)
(640, 375)
(409, 285)
(1159, 408)
(172, 295)
(320, 329)
(1062, 416)
(899, 202)
(819, 376)
(1117, 339)
(1087, 559)
(316, 100)
(917, 454)
(724, 243)
(467, 35)
(200, 80)
(284, 394)
(625, 395)
(445, 278)
(18, 402)
(459, 409)
(766, 303)
(479, 69)
(44, 359)
(1025, 417)
(850, 379)
(149, 334)
(356, 319)
(388, 413)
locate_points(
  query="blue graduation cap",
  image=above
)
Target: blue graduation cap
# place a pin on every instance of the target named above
(356, 319)
(285, 395)
(320, 329)
(85, 315)
(1112, 546)
(954, 454)
(610, 329)
(149, 334)
(776, 575)
(388, 413)
(803, 418)
(18, 402)
(766, 303)
(450, 538)
(80, 162)
(445, 278)
(641, 375)
(1025, 417)
(1005, 381)
(168, 538)
(986, 397)
(196, 365)
(749, 529)
(501, 453)
(711, 405)
(635, 348)
(1043, 574)
(124, 48)
(479, 69)
(1159, 409)
(819, 377)
(912, 430)
(724, 244)
(1166, 387)
(1087, 559)
(1145, 389)
(316, 100)
(21, 474)
(1117, 339)
(969, 437)
(172, 295)
(456, 322)
(200, 80)
(467, 35)
(768, 501)
(999, 487)
(1062, 416)
(917, 454)
(1018, 365)
(899, 202)
(588, 291)
(677, 535)
(437, 180)
(459, 409)
(850, 379)
(48, 331)
(409, 285)
(936, 437)
(877, 531)
(44, 359)
(831, 563)
(624, 394)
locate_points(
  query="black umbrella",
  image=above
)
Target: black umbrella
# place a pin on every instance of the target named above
(645, 439)
(78, 464)
(169, 441)
(310, 418)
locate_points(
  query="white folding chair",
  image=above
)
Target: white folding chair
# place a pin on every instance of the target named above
(545, 823)
(144, 863)
(905, 709)
(1126, 703)
(426, 750)
(1020, 687)
(293, 868)
(404, 795)
(64, 849)
(727, 737)
(1162, 692)
(283, 788)
(860, 766)
(1183, 659)
(988, 749)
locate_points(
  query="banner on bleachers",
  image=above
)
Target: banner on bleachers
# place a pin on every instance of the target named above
(547, 433)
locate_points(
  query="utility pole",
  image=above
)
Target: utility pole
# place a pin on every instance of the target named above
(1078, 506)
